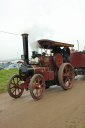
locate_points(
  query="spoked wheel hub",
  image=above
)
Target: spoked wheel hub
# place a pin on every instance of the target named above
(66, 76)
(37, 86)
(15, 89)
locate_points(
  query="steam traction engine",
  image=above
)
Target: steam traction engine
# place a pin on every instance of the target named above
(51, 68)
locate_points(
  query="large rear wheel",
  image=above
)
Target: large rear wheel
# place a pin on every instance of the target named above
(37, 86)
(66, 76)
(14, 87)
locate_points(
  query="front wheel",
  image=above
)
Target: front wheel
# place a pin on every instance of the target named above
(14, 87)
(66, 76)
(37, 86)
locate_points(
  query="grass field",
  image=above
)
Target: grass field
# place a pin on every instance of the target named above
(83, 126)
(4, 78)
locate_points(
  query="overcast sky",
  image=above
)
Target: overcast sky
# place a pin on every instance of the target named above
(58, 20)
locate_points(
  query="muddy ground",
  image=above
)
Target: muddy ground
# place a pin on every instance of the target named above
(57, 109)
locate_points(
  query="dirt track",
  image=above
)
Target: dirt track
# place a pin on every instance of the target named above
(57, 109)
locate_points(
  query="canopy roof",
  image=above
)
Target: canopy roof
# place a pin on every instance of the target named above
(49, 44)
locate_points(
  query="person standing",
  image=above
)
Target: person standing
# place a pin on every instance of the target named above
(66, 54)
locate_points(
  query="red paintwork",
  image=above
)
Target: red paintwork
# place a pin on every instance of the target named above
(51, 75)
(41, 59)
(45, 71)
(48, 63)
(58, 59)
(48, 75)
(77, 59)
(45, 68)
(51, 64)
(38, 70)
(20, 62)
(25, 85)
(45, 75)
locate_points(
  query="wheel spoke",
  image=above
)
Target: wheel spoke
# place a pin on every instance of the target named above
(69, 76)
(14, 81)
(41, 84)
(38, 80)
(66, 76)
(18, 90)
(34, 83)
(66, 80)
(37, 86)
(36, 92)
(66, 68)
(34, 89)
(13, 89)
(34, 86)
(18, 81)
(41, 90)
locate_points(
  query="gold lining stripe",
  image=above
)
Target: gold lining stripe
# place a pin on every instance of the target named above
(62, 44)
(34, 69)
(22, 74)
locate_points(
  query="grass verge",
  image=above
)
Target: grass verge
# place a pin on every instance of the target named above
(83, 126)
(4, 78)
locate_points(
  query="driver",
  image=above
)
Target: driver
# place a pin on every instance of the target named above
(66, 54)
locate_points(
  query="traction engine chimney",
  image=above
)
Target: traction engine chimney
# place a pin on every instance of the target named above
(25, 48)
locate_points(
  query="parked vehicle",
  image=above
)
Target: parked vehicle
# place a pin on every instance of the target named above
(1, 67)
(13, 66)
